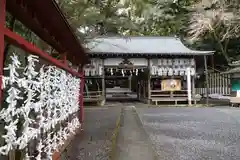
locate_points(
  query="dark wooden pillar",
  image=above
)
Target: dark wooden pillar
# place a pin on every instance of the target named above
(130, 83)
(194, 90)
(149, 83)
(103, 84)
(206, 79)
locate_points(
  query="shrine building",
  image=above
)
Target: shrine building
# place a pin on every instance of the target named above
(148, 69)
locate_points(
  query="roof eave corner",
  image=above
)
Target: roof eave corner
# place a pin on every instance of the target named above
(208, 53)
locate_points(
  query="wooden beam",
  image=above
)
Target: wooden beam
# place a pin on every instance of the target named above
(17, 40)
(27, 17)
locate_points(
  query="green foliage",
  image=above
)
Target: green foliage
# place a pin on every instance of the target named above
(219, 21)
(210, 24)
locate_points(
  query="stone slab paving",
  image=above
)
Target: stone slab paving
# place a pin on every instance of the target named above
(193, 133)
(133, 142)
(95, 142)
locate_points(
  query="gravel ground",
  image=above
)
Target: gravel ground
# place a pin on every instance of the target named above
(94, 143)
(193, 133)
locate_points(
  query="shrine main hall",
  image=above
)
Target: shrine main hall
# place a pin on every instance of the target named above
(149, 69)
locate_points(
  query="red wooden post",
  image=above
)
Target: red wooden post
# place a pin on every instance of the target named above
(81, 116)
(63, 57)
(2, 26)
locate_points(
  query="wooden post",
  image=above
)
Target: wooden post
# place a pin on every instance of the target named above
(149, 82)
(194, 89)
(216, 84)
(103, 84)
(206, 79)
(189, 86)
(63, 58)
(210, 82)
(130, 83)
(229, 84)
(224, 84)
(144, 90)
(220, 83)
(216, 81)
(138, 90)
(213, 66)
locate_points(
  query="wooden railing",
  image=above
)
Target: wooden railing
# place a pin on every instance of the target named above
(218, 84)
(92, 96)
(224, 90)
(170, 94)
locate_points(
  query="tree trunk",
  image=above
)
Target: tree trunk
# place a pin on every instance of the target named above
(224, 53)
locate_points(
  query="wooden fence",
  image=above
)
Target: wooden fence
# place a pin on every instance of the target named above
(218, 84)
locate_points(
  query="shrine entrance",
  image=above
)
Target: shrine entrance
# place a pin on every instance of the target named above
(121, 78)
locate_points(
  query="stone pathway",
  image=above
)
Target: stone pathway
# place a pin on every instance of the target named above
(133, 142)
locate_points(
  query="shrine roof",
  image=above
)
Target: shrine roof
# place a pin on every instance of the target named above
(46, 20)
(141, 45)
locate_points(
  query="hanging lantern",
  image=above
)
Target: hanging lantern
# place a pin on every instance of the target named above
(100, 70)
(159, 62)
(170, 71)
(164, 62)
(192, 71)
(175, 72)
(181, 62)
(136, 73)
(159, 72)
(153, 70)
(87, 72)
(164, 71)
(123, 73)
(181, 72)
(192, 62)
(170, 62)
(111, 71)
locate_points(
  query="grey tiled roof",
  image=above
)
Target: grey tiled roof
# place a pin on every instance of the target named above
(142, 45)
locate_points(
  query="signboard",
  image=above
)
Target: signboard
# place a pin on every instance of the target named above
(171, 85)
(236, 85)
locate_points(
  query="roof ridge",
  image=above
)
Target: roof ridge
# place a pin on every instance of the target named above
(153, 37)
(137, 44)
